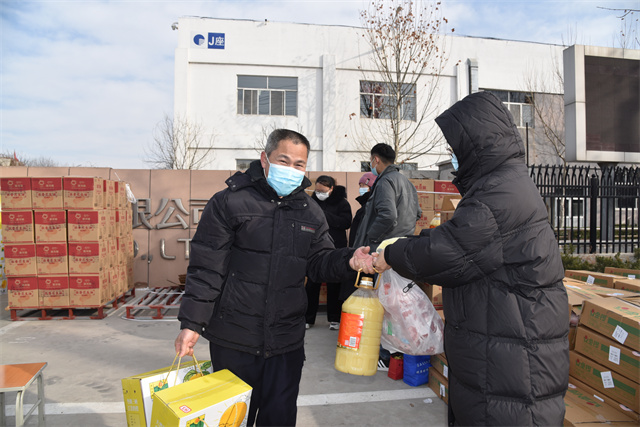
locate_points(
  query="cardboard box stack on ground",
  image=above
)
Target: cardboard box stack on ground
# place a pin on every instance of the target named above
(607, 351)
(629, 285)
(626, 272)
(68, 238)
(432, 196)
(584, 409)
(426, 199)
(439, 376)
(593, 277)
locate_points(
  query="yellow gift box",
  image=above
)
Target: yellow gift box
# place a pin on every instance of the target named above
(138, 389)
(219, 399)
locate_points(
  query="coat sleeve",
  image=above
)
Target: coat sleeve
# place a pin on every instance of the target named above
(463, 249)
(208, 263)
(384, 206)
(340, 220)
(324, 262)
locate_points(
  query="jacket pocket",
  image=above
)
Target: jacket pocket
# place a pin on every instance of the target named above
(303, 236)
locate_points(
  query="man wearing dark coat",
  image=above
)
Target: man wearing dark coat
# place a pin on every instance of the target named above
(498, 262)
(255, 243)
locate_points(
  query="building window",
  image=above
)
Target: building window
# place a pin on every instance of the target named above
(243, 164)
(268, 96)
(520, 104)
(380, 100)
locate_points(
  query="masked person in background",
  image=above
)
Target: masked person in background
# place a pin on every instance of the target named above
(392, 209)
(244, 292)
(498, 263)
(365, 183)
(332, 199)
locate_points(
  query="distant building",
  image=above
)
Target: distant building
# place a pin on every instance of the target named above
(242, 78)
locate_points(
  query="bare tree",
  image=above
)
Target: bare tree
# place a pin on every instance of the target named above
(628, 37)
(13, 158)
(179, 143)
(399, 90)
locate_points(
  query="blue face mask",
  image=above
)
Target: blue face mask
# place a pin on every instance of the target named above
(363, 190)
(284, 179)
(454, 161)
(373, 170)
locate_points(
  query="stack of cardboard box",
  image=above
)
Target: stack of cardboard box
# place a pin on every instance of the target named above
(433, 196)
(68, 241)
(605, 348)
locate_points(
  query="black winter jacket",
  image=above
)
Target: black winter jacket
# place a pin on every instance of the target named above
(337, 210)
(249, 257)
(357, 218)
(498, 262)
(391, 211)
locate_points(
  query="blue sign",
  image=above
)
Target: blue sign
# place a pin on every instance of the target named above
(198, 39)
(216, 41)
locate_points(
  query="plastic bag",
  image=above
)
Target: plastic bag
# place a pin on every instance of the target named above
(411, 324)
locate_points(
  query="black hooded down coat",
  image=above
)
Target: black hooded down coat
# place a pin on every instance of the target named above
(249, 257)
(498, 262)
(337, 210)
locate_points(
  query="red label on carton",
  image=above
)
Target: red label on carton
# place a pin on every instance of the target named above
(47, 193)
(52, 258)
(83, 193)
(16, 193)
(18, 227)
(20, 259)
(23, 292)
(51, 226)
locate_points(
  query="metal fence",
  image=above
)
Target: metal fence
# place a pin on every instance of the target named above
(595, 210)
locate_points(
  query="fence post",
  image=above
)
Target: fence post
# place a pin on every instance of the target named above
(593, 212)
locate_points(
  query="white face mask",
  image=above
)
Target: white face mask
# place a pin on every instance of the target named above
(363, 190)
(322, 196)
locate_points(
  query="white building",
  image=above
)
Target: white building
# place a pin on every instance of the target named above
(240, 79)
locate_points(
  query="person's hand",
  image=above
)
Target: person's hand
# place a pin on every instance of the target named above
(380, 264)
(185, 342)
(362, 260)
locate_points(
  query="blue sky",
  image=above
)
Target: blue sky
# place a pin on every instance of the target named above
(85, 82)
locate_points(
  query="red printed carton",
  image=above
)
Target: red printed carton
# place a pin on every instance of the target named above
(51, 226)
(87, 226)
(53, 291)
(18, 227)
(15, 193)
(20, 259)
(46, 193)
(83, 192)
(52, 258)
(87, 290)
(23, 292)
(88, 257)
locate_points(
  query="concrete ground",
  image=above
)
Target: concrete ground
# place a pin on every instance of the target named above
(88, 358)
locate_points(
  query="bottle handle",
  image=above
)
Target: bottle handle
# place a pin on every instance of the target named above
(377, 284)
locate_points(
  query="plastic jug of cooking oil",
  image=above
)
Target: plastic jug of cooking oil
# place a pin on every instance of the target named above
(435, 221)
(360, 329)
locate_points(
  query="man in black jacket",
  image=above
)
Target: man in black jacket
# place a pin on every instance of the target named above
(499, 266)
(255, 243)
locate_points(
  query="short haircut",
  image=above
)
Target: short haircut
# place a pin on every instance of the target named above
(326, 180)
(280, 135)
(385, 152)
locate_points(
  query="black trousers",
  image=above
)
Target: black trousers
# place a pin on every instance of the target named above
(275, 382)
(334, 305)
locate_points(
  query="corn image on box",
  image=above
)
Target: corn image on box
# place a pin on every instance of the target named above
(219, 399)
(138, 389)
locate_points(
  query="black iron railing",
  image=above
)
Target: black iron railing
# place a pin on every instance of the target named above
(595, 210)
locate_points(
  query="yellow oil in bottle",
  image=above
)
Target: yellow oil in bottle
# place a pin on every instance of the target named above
(435, 222)
(360, 329)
